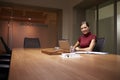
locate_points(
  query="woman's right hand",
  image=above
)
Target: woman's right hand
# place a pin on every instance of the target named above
(77, 48)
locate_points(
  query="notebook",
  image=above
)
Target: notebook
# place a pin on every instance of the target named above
(64, 44)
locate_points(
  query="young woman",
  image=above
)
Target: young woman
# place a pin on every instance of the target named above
(86, 42)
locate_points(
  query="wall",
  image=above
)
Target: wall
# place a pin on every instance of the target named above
(91, 18)
(17, 22)
(79, 16)
(65, 5)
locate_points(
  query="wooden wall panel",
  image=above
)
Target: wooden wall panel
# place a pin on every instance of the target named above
(22, 31)
(21, 23)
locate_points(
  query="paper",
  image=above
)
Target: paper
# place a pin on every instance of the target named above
(98, 52)
(81, 52)
(90, 52)
(70, 55)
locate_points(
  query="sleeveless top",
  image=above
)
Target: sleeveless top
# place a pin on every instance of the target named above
(86, 39)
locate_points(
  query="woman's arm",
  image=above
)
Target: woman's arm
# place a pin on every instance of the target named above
(90, 48)
(76, 44)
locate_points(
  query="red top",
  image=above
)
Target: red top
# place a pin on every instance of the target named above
(85, 40)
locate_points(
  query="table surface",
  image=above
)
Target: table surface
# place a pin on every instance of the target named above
(32, 64)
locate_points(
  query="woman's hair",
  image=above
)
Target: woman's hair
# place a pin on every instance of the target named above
(85, 22)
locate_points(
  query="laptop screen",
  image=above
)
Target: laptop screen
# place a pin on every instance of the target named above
(64, 44)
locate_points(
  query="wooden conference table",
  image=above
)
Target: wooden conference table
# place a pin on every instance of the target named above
(32, 64)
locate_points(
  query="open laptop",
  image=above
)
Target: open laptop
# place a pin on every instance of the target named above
(64, 44)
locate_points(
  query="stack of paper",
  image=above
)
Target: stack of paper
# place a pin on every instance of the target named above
(70, 55)
(90, 52)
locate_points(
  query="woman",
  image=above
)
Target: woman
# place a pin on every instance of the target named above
(86, 42)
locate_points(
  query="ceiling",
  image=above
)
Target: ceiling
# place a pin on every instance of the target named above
(46, 3)
(57, 3)
(90, 3)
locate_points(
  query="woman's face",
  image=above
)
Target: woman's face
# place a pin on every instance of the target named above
(84, 29)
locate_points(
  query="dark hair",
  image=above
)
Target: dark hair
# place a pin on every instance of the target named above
(85, 22)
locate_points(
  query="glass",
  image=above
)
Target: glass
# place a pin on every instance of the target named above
(106, 26)
(71, 49)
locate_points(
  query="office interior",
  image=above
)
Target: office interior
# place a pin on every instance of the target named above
(51, 21)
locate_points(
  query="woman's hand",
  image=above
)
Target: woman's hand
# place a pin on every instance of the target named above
(77, 48)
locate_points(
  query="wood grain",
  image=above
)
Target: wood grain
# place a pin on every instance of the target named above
(32, 64)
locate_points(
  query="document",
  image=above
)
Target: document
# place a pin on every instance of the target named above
(90, 52)
(70, 55)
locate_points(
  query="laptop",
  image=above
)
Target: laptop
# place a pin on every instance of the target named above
(64, 44)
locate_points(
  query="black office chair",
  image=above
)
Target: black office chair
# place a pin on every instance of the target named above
(5, 46)
(7, 53)
(5, 58)
(99, 44)
(5, 61)
(4, 71)
(4, 68)
(31, 43)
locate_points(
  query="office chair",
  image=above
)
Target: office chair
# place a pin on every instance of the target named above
(99, 44)
(4, 71)
(5, 61)
(7, 53)
(5, 46)
(5, 58)
(31, 43)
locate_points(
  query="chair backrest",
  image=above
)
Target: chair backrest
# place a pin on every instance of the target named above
(31, 43)
(99, 44)
(5, 45)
